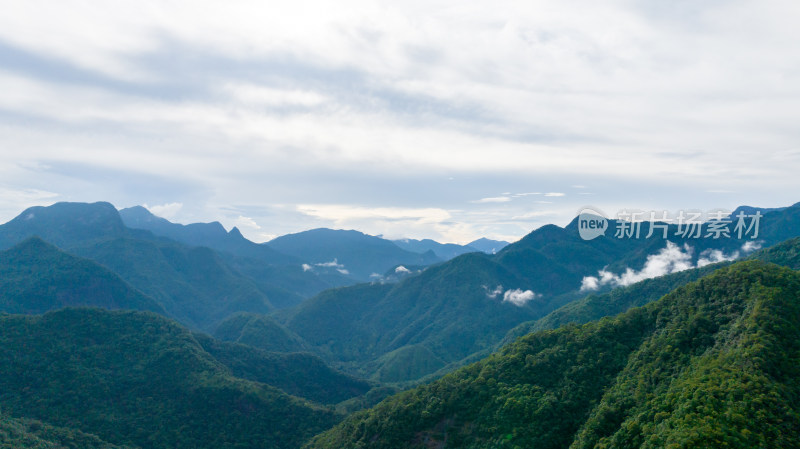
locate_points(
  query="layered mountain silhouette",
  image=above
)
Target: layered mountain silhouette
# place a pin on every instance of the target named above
(212, 235)
(488, 246)
(703, 355)
(465, 306)
(362, 256)
(444, 251)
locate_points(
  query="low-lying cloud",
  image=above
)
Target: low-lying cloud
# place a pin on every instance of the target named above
(332, 264)
(517, 296)
(670, 259)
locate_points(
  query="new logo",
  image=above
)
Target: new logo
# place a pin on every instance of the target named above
(591, 223)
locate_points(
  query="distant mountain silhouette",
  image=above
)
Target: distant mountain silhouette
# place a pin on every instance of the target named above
(349, 252)
(444, 251)
(487, 245)
(212, 235)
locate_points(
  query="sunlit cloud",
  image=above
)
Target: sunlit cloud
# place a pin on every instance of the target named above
(167, 211)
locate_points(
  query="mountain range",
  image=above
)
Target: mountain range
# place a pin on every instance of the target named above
(200, 274)
(465, 306)
(272, 345)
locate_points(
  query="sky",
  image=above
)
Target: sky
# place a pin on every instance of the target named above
(419, 119)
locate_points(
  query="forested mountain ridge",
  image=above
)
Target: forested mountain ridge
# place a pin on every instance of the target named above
(138, 379)
(713, 364)
(618, 300)
(466, 305)
(36, 277)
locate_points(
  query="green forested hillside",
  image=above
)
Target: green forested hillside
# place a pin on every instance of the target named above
(22, 433)
(445, 313)
(786, 254)
(715, 363)
(259, 331)
(299, 374)
(596, 306)
(618, 300)
(456, 309)
(139, 379)
(194, 285)
(36, 277)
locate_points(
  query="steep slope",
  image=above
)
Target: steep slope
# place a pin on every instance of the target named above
(137, 378)
(194, 285)
(36, 277)
(348, 252)
(299, 374)
(449, 311)
(786, 254)
(444, 251)
(714, 364)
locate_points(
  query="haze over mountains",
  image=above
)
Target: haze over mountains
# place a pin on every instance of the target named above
(275, 343)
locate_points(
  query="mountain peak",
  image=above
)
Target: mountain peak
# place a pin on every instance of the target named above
(64, 224)
(488, 245)
(235, 232)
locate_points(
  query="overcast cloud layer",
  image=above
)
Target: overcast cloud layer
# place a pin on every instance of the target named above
(444, 120)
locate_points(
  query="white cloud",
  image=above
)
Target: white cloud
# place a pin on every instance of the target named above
(519, 297)
(332, 264)
(306, 267)
(670, 259)
(15, 200)
(492, 294)
(168, 210)
(751, 246)
(259, 95)
(554, 194)
(710, 256)
(247, 222)
(535, 214)
(590, 283)
(402, 269)
(494, 199)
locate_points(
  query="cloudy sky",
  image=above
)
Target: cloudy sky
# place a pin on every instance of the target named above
(448, 120)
